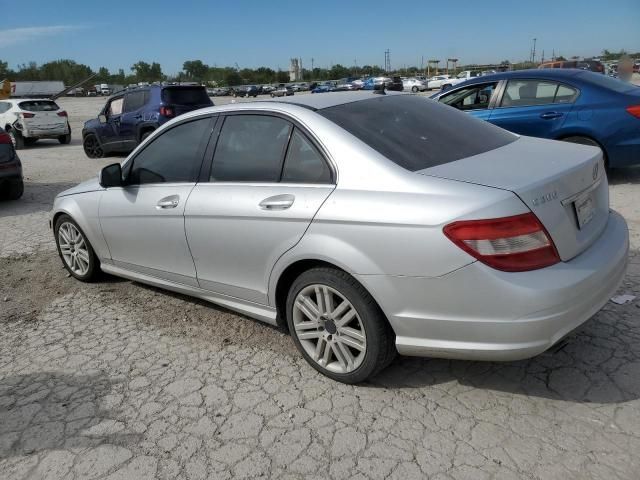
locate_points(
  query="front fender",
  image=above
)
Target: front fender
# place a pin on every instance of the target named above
(83, 208)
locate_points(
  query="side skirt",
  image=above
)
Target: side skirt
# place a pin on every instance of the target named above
(263, 313)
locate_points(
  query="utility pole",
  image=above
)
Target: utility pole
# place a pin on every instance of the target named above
(533, 51)
(553, 55)
(387, 60)
(542, 61)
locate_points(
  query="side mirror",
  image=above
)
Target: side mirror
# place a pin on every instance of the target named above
(102, 118)
(111, 176)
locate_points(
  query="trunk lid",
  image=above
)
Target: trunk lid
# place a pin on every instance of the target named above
(563, 184)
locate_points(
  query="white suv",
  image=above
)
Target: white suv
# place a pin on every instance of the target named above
(28, 120)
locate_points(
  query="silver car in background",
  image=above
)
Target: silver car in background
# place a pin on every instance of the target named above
(367, 224)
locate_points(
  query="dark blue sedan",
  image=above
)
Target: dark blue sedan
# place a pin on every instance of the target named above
(573, 105)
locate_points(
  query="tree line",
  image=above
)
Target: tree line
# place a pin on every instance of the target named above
(71, 72)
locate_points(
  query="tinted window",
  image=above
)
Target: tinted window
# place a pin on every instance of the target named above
(473, 97)
(416, 132)
(174, 156)
(134, 101)
(250, 149)
(115, 107)
(39, 106)
(304, 164)
(186, 96)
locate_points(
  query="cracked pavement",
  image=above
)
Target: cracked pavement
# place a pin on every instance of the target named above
(116, 380)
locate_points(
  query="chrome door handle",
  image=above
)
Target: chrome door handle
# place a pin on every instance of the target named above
(171, 201)
(550, 115)
(277, 202)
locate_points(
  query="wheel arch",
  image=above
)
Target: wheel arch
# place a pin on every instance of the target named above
(585, 134)
(144, 128)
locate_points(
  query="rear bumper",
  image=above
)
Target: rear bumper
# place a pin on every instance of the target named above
(478, 313)
(40, 132)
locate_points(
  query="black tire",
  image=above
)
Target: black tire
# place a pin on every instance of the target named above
(65, 139)
(145, 135)
(17, 139)
(92, 147)
(14, 191)
(94, 264)
(380, 338)
(30, 141)
(414, 89)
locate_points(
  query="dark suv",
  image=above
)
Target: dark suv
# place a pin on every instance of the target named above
(130, 117)
(11, 183)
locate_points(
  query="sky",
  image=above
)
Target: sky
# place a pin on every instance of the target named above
(116, 34)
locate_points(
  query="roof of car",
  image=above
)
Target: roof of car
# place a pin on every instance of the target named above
(329, 99)
(531, 73)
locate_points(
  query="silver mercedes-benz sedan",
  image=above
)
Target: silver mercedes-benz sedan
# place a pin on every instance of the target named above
(367, 224)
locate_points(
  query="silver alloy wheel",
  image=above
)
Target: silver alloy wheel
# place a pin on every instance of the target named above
(73, 248)
(329, 328)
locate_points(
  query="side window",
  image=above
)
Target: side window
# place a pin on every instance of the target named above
(115, 107)
(473, 97)
(4, 106)
(565, 94)
(134, 101)
(520, 93)
(304, 164)
(174, 156)
(250, 149)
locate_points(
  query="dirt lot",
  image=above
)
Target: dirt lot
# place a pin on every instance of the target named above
(119, 380)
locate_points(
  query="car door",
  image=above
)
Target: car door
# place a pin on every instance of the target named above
(109, 131)
(143, 222)
(267, 181)
(134, 103)
(475, 99)
(534, 107)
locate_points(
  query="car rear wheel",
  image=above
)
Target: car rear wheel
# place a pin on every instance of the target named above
(414, 89)
(92, 147)
(17, 139)
(337, 326)
(65, 139)
(75, 250)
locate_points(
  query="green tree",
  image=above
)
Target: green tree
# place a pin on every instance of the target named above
(145, 72)
(4, 70)
(233, 78)
(195, 70)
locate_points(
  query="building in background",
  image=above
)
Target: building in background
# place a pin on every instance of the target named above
(295, 70)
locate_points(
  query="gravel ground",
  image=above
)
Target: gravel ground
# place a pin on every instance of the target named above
(118, 380)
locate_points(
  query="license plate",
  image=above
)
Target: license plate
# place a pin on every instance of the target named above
(585, 209)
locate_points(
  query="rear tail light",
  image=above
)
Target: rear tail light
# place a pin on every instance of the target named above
(510, 244)
(5, 139)
(634, 110)
(167, 111)
(62, 114)
(27, 115)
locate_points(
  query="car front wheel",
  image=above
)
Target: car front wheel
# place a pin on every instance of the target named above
(75, 250)
(92, 147)
(337, 326)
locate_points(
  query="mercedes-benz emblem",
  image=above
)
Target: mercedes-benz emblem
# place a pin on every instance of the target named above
(596, 167)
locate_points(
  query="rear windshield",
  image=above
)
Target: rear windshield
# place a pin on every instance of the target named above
(416, 132)
(608, 82)
(186, 96)
(39, 106)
